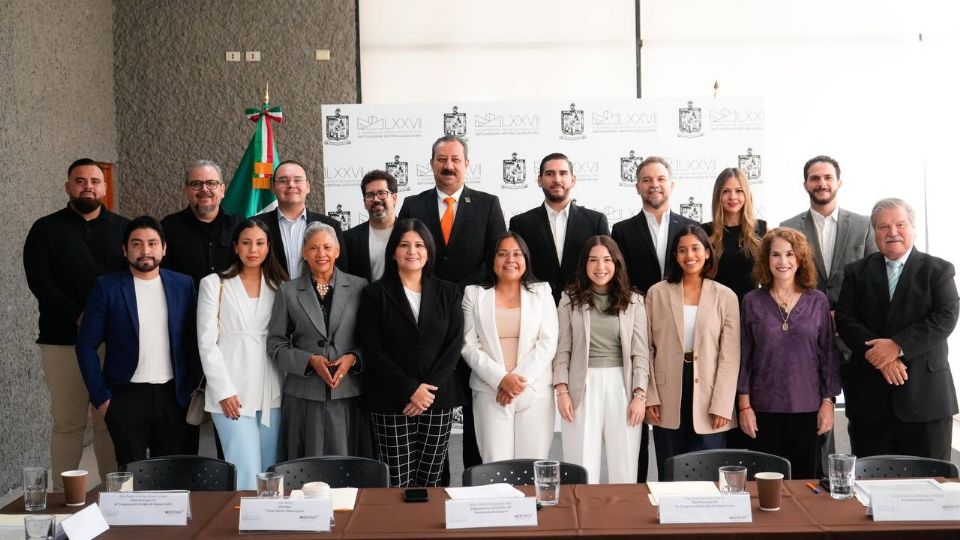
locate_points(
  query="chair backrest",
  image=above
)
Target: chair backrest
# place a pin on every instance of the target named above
(703, 465)
(194, 473)
(336, 471)
(518, 472)
(904, 467)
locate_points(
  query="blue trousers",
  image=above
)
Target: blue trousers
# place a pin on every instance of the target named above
(250, 446)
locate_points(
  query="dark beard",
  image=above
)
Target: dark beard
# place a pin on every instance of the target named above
(144, 266)
(85, 205)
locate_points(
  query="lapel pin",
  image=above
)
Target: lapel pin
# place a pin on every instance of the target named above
(466, 200)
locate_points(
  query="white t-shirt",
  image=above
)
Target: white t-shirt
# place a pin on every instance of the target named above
(378, 243)
(154, 364)
(414, 299)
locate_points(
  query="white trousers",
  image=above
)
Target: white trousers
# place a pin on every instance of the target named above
(521, 430)
(602, 416)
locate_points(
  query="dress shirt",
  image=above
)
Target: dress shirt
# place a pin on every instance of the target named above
(442, 204)
(659, 232)
(826, 234)
(901, 262)
(62, 257)
(292, 231)
(558, 226)
(198, 248)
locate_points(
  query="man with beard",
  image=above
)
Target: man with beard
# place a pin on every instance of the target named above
(147, 319)
(838, 237)
(644, 240)
(287, 223)
(464, 223)
(62, 257)
(366, 242)
(199, 237)
(556, 231)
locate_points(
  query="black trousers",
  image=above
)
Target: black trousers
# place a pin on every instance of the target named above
(792, 436)
(148, 416)
(890, 435)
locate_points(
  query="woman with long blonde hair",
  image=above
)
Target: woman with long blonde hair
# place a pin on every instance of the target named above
(735, 231)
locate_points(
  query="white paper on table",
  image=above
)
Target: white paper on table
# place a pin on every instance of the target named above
(344, 498)
(85, 524)
(680, 488)
(950, 486)
(862, 488)
(488, 491)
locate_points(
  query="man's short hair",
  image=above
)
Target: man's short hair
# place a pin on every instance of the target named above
(654, 159)
(82, 162)
(202, 163)
(446, 139)
(285, 162)
(820, 159)
(553, 156)
(143, 222)
(890, 204)
(375, 175)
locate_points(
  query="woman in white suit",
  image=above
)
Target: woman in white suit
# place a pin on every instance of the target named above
(510, 337)
(602, 364)
(243, 386)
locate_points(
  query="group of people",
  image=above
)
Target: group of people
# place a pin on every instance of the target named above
(314, 341)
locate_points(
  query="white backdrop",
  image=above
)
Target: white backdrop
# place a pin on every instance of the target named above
(605, 139)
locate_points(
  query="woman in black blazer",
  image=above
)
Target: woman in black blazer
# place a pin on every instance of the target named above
(411, 328)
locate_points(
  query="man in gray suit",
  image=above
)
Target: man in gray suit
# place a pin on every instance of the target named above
(838, 238)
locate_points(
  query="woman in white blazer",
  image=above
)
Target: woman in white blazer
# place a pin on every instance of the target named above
(602, 364)
(510, 337)
(243, 386)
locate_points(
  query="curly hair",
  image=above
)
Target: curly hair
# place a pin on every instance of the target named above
(581, 290)
(806, 276)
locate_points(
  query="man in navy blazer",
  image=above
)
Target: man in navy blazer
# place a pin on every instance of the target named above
(147, 318)
(477, 220)
(645, 241)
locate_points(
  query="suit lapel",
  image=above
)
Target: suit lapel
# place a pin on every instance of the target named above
(276, 238)
(173, 309)
(810, 231)
(487, 306)
(572, 244)
(464, 210)
(542, 222)
(363, 251)
(881, 285)
(394, 291)
(840, 244)
(676, 308)
(428, 299)
(339, 305)
(708, 294)
(310, 304)
(130, 299)
(643, 233)
(907, 275)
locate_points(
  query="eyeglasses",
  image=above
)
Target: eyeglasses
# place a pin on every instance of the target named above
(382, 195)
(197, 185)
(291, 180)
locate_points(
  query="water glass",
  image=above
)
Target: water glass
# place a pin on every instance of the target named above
(269, 485)
(34, 489)
(39, 527)
(842, 468)
(733, 479)
(119, 481)
(546, 480)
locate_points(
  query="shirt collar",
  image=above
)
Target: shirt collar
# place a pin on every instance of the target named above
(301, 217)
(653, 219)
(456, 194)
(902, 260)
(820, 218)
(551, 213)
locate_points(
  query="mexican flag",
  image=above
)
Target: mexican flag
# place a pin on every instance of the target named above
(249, 191)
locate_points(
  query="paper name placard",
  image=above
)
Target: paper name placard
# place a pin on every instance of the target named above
(145, 507)
(306, 514)
(720, 508)
(472, 513)
(84, 525)
(928, 506)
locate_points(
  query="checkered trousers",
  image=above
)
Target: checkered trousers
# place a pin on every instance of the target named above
(413, 447)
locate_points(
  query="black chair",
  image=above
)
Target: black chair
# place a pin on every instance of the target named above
(904, 467)
(704, 465)
(518, 472)
(193, 473)
(336, 471)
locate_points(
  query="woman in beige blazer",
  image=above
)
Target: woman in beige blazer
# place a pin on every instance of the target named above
(695, 351)
(602, 363)
(509, 340)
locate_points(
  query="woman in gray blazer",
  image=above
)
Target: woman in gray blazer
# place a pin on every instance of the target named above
(312, 338)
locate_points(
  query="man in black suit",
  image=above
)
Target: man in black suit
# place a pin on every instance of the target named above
(896, 310)
(366, 242)
(556, 231)
(291, 186)
(463, 223)
(645, 242)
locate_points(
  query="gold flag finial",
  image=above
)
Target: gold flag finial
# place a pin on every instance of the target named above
(716, 88)
(266, 95)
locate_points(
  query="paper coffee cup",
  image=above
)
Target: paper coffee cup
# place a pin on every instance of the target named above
(316, 490)
(770, 488)
(74, 487)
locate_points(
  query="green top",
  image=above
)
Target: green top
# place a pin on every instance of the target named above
(605, 349)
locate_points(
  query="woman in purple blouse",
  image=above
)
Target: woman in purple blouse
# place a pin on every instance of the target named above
(789, 363)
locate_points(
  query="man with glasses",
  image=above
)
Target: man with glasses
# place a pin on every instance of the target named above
(200, 237)
(287, 223)
(366, 242)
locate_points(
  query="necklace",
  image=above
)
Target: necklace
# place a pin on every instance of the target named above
(784, 310)
(323, 289)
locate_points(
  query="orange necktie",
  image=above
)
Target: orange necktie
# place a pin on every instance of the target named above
(446, 222)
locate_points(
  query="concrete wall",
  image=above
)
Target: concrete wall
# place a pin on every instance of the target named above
(56, 104)
(178, 100)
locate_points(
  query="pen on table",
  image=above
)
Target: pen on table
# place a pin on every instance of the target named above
(813, 488)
